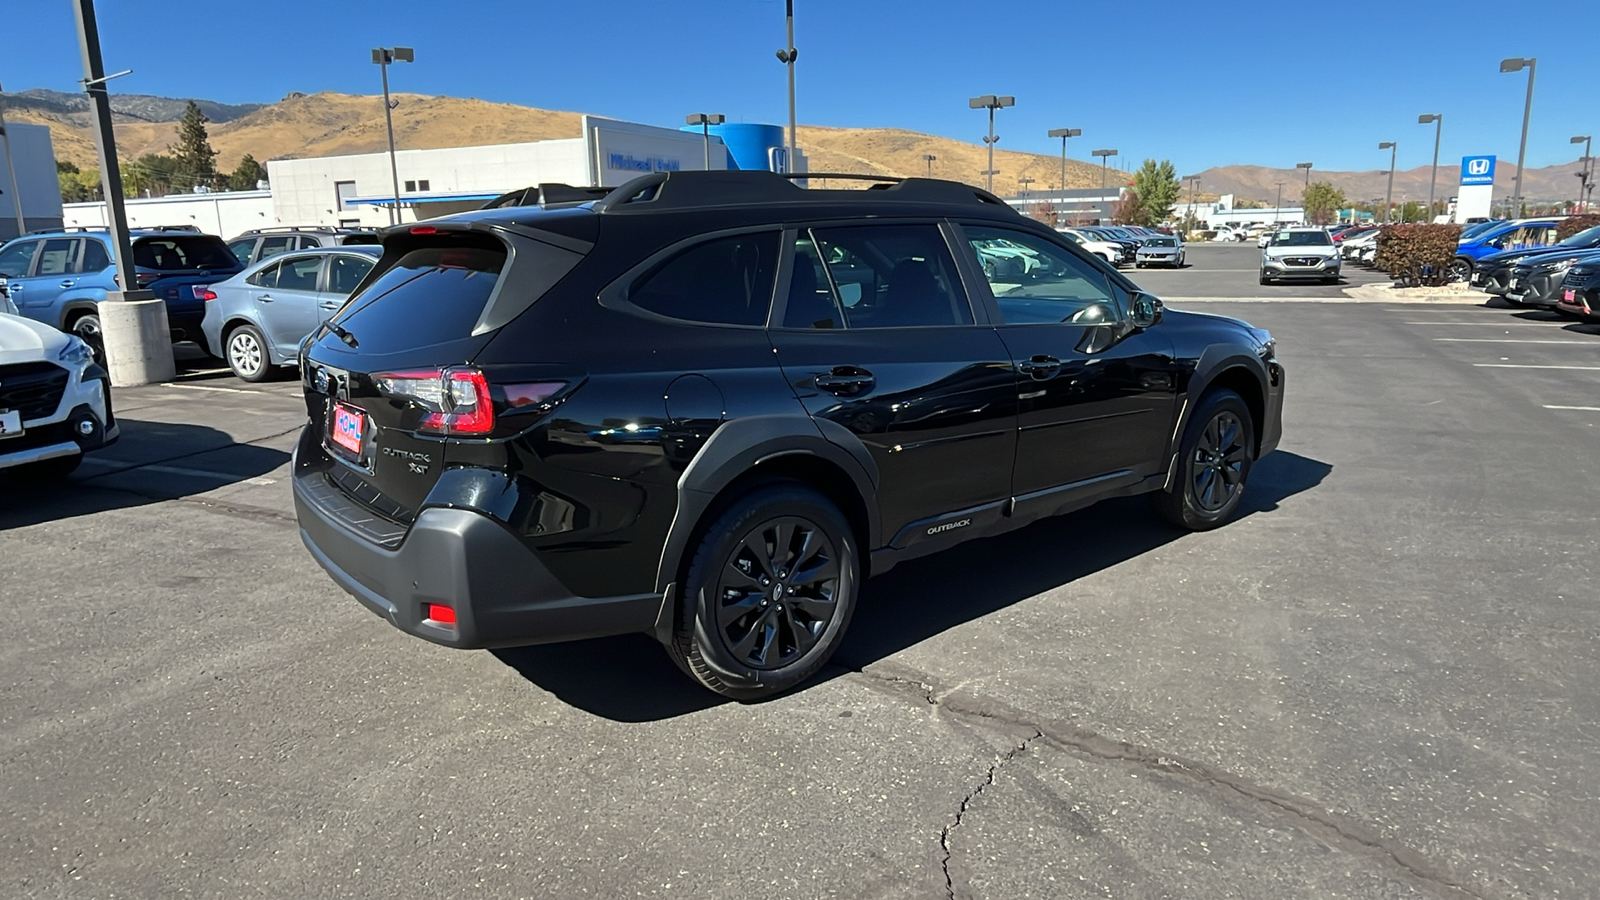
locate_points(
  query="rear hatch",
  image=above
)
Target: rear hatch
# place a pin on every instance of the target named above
(390, 383)
(173, 265)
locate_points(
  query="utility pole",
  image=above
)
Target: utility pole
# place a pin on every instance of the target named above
(383, 56)
(787, 57)
(1585, 171)
(991, 102)
(16, 196)
(131, 326)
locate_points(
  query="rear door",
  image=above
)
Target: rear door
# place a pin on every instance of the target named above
(344, 271)
(1097, 398)
(878, 336)
(287, 302)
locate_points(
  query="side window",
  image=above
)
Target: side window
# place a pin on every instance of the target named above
(272, 246)
(241, 249)
(95, 257)
(15, 257)
(299, 273)
(890, 276)
(725, 281)
(345, 272)
(307, 242)
(56, 257)
(1036, 281)
(267, 277)
(811, 301)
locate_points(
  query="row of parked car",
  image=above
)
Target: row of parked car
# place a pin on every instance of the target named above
(1563, 276)
(1122, 245)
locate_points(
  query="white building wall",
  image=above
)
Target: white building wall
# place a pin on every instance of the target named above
(222, 214)
(34, 158)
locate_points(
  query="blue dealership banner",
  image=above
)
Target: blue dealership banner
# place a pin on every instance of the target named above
(1477, 170)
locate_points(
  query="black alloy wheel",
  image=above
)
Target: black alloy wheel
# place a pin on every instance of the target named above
(1214, 461)
(769, 593)
(1460, 270)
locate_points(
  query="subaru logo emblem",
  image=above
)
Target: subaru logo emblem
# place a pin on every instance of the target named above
(321, 381)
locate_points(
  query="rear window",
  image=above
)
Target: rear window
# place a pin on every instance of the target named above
(191, 253)
(431, 294)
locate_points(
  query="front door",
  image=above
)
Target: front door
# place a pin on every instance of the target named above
(878, 336)
(1097, 397)
(54, 272)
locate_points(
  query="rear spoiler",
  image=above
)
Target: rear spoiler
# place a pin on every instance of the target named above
(548, 194)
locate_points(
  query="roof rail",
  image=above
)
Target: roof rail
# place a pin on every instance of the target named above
(548, 194)
(687, 190)
(275, 229)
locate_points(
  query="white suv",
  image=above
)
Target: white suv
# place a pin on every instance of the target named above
(55, 403)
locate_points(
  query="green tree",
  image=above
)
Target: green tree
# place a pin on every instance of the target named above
(196, 159)
(79, 186)
(155, 174)
(1158, 188)
(64, 166)
(246, 174)
(1322, 202)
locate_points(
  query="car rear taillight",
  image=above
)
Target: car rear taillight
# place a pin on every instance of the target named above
(202, 292)
(457, 402)
(145, 279)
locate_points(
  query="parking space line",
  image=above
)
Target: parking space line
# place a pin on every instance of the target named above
(1521, 366)
(206, 387)
(1579, 408)
(1511, 341)
(1495, 324)
(176, 470)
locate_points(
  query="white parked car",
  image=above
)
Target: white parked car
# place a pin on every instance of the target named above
(55, 403)
(1104, 249)
(1226, 235)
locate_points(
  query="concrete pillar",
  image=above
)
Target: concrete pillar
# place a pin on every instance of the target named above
(138, 340)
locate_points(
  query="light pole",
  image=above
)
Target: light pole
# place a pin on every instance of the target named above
(1023, 183)
(1585, 171)
(929, 158)
(1393, 148)
(1194, 194)
(1437, 120)
(1307, 167)
(1064, 133)
(1517, 64)
(705, 121)
(1103, 154)
(787, 56)
(16, 198)
(991, 103)
(382, 57)
(1278, 210)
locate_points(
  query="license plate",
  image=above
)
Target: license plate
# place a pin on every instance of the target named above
(1569, 295)
(349, 424)
(10, 424)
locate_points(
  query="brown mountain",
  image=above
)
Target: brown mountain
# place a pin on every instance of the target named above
(1550, 183)
(329, 124)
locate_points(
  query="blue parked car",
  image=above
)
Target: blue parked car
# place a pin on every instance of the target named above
(60, 277)
(1519, 234)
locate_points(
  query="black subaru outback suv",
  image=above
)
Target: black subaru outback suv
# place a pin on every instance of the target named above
(708, 405)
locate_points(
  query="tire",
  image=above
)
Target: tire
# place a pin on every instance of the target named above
(246, 353)
(730, 623)
(1265, 279)
(87, 328)
(1219, 440)
(1461, 269)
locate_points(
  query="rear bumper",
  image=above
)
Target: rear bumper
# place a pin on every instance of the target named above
(502, 595)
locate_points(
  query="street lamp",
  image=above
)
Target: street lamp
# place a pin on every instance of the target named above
(1278, 210)
(929, 157)
(1103, 154)
(1517, 64)
(1586, 172)
(1064, 133)
(705, 121)
(1024, 181)
(991, 103)
(1389, 192)
(1307, 167)
(382, 57)
(1438, 128)
(1194, 193)
(787, 56)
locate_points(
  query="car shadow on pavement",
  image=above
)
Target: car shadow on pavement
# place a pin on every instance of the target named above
(151, 462)
(630, 678)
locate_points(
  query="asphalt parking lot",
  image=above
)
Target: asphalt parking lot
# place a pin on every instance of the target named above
(1379, 682)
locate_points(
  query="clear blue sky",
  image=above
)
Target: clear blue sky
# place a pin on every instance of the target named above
(1208, 82)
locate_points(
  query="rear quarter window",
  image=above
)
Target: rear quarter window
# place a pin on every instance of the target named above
(722, 281)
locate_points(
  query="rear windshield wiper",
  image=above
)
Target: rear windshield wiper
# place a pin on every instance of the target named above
(343, 334)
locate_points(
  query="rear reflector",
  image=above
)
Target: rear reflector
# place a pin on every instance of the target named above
(442, 614)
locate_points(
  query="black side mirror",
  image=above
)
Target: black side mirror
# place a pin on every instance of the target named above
(1146, 310)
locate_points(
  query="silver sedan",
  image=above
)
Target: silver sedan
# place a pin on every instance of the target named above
(1161, 250)
(257, 319)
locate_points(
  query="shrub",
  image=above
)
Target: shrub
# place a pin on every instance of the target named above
(1417, 254)
(1571, 225)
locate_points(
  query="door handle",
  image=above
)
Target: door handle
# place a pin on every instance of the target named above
(263, 298)
(1040, 368)
(845, 381)
(68, 283)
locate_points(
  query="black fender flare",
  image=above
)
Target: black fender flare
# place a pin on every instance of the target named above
(75, 306)
(1214, 360)
(739, 445)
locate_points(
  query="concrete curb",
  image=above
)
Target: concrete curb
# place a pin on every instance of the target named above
(1383, 293)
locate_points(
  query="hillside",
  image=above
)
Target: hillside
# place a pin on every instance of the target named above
(331, 124)
(1259, 182)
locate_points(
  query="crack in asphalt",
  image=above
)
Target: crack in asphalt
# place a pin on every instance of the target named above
(1326, 827)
